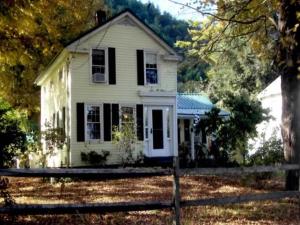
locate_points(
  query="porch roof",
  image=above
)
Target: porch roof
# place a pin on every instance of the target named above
(191, 104)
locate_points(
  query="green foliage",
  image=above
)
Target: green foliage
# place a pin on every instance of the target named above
(169, 28)
(124, 137)
(269, 152)
(232, 133)
(13, 138)
(54, 137)
(95, 158)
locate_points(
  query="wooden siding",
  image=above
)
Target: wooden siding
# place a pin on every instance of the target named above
(126, 39)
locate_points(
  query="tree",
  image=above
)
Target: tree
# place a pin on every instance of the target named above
(170, 28)
(32, 33)
(13, 138)
(232, 133)
(271, 29)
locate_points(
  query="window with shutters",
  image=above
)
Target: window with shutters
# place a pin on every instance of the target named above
(151, 73)
(93, 122)
(127, 115)
(99, 65)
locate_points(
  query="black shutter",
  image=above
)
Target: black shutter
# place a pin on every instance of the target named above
(57, 120)
(53, 120)
(80, 122)
(107, 122)
(140, 67)
(140, 122)
(115, 115)
(64, 119)
(112, 65)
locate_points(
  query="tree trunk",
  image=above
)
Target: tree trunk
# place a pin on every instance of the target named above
(288, 62)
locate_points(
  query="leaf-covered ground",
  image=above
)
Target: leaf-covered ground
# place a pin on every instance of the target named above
(28, 190)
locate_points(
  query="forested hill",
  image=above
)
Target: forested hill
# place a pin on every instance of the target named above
(169, 28)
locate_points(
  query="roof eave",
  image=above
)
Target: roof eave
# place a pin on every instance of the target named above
(44, 74)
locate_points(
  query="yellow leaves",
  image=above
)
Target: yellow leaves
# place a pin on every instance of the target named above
(295, 28)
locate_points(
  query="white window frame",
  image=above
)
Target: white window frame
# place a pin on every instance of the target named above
(134, 113)
(106, 64)
(145, 69)
(87, 139)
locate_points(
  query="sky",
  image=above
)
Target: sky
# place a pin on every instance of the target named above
(175, 10)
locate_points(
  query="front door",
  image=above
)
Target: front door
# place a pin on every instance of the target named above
(158, 131)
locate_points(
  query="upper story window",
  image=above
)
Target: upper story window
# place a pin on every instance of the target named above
(93, 122)
(151, 68)
(99, 65)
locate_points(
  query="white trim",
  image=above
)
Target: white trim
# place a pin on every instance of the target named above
(87, 140)
(52, 65)
(192, 138)
(172, 58)
(156, 94)
(156, 53)
(106, 65)
(73, 45)
(166, 150)
(129, 106)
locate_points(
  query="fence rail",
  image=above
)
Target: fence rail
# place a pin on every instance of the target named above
(87, 173)
(238, 170)
(176, 203)
(36, 209)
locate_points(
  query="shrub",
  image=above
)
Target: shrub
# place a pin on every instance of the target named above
(269, 152)
(95, 158)
(12, 136)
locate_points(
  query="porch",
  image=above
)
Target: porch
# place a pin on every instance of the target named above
(191, 109)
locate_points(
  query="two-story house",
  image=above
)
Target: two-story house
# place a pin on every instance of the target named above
(117, 70)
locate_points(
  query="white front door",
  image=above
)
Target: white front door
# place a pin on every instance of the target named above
(159, 131)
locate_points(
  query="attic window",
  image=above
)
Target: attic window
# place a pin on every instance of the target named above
(151, 68)
(99, 65)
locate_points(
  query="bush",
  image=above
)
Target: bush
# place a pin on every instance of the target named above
(12, 136)
(95, 158)
(269, 152)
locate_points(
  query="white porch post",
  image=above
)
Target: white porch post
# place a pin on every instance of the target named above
(192, 137)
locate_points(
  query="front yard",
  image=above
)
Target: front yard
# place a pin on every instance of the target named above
(28, 190)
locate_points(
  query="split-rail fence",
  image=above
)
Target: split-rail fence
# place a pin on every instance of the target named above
(175, 203)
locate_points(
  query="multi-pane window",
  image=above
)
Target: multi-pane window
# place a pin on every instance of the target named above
(98, 61)
(127, 115)
(93, 122)
(151, 68)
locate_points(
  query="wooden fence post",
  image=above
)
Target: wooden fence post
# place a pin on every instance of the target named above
(176, 191)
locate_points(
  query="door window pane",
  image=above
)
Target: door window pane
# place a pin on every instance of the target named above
(157, 129)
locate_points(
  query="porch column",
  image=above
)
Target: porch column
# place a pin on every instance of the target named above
(192, 137)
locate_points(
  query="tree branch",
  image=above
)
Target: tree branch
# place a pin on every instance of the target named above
(231, 19)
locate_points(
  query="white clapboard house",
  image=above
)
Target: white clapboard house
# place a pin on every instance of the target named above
(119, 69)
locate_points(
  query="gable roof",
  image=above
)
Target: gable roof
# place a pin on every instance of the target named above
(129, 13)
(72, 45)
(191, 104)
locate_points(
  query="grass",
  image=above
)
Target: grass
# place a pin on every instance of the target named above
(34, 190)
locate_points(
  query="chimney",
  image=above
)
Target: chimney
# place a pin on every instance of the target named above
(100, 17)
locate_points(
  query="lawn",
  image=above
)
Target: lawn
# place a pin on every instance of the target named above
(29, 190)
